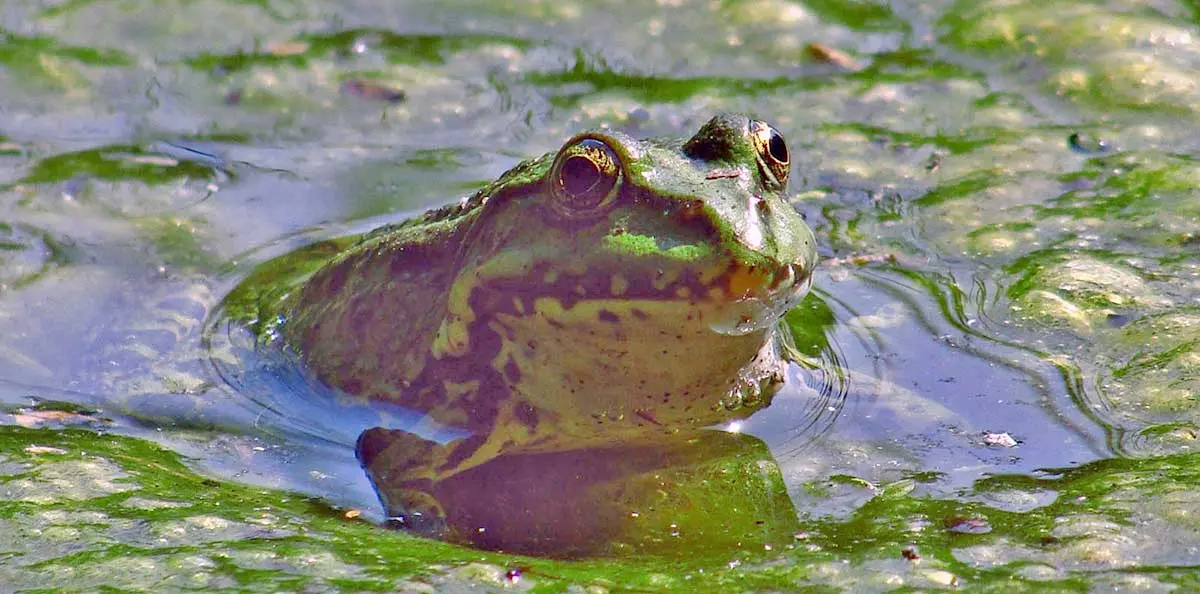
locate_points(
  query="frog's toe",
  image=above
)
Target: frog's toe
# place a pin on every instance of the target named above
(394, 454)
(415, 510)
(400, 465)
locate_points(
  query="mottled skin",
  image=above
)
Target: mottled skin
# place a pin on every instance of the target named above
(616, 292)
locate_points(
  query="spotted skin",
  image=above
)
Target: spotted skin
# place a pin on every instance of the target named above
(615, 292)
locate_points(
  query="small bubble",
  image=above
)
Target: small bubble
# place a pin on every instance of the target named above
(1115, 320)
(364, 44)
(1084, 143)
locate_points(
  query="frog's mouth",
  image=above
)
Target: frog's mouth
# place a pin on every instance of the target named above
(750, 298)
(732, 298)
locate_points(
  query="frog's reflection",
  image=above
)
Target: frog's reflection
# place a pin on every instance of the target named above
(706, 491)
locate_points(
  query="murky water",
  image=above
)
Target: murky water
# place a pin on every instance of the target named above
(1001, 355)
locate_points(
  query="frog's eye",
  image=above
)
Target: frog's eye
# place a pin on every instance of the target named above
(585, 179)
(774, 159)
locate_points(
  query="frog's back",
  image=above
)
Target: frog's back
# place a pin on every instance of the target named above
(367, 323)
(396, 280)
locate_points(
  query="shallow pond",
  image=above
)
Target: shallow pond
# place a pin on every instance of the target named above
(1000, 358)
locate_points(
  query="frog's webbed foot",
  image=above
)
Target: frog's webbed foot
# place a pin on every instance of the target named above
(405, 469)
(753, 392)
(400, 465)
(415, 510)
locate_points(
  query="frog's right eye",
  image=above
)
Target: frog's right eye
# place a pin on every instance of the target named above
(585, 179)
(774, 160)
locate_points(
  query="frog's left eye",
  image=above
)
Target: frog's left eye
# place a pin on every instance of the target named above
(774, 159)
(585, 179)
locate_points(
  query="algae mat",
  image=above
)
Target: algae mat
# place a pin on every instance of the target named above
(1005, 332)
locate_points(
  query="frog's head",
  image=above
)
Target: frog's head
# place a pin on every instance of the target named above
(660, 262)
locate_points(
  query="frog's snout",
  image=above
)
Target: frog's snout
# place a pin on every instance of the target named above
(794, 281)
(758, 296)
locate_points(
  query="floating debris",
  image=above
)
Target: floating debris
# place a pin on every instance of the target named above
(1185, 433)
(513, 575)
(171, 153)
(999, 439)
(823, 53)
(373, 91)
(37, 449)
(859, 260)
(156, 160)
(40, 418)
(934, 162)
(968, 525)
(287, 48)
(1116, 320)
(942, 578)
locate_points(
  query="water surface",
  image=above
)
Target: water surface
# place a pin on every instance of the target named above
(1004, 194)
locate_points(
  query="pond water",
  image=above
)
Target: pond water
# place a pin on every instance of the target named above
(999, 386)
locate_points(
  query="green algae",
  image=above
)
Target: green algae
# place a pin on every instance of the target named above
(148, 511)
(961, 220)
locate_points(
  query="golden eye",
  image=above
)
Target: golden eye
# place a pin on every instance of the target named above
(774, 159)
(585, 179)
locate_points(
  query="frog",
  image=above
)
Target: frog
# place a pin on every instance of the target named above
(613, 292)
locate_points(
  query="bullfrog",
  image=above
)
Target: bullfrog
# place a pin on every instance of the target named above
(614, 292)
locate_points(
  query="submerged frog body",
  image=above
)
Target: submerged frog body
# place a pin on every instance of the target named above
(615, 292)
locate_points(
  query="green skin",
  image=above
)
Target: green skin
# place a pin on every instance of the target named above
(616, 292)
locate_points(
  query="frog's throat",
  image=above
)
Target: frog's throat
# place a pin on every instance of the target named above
(727, 298)
(624, 364)
(635, 351)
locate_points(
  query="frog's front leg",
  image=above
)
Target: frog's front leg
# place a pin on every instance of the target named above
(405, 468)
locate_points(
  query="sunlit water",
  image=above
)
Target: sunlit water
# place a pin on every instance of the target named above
(905, 381)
